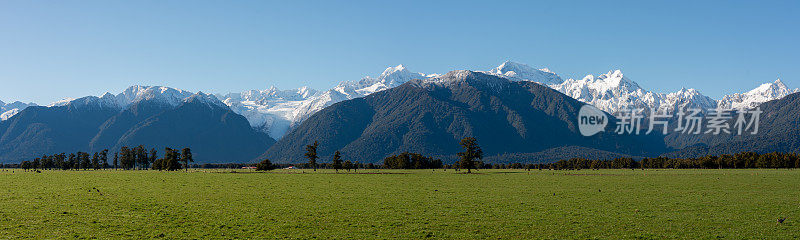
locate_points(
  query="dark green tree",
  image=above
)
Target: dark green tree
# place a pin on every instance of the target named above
(126, 158)
(140, 157)
(70, 162)
(104, 158)
(153, 156)
(96, 161)
(84, 160)
(25, 165)
(467, 158)
(337, 161)
(265, 165)
(186, 157)
(60, 158)
(311, 154)
(348, 165)
(170, 161)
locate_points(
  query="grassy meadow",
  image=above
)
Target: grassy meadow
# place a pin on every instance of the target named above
(408, 204)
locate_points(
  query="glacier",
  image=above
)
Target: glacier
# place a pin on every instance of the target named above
(10, 109)
(275, 111)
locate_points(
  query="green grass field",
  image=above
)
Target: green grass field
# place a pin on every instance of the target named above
(629, 204)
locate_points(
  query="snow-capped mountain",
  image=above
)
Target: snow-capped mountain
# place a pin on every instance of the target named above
(133, 94)
(466, 77)
(269, 110)
(610, 92)
(518, 71)
(613, 92)
(10, 109)
(276, 111)
(138, 93)
(764, 93)
(686, 99)
(207, 99)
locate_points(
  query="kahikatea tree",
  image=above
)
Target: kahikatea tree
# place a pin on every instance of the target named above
(311, 154)
(141, 157)
(337, 161)
(467, 158)
(153, 156)
(104, 158)
(170, 161)
(186, 157)
(96, 161)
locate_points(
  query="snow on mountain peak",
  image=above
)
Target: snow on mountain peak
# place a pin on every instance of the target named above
(62, 102)
(394, 76)
(7, 110)
(776, 88)
(615, 79)
(750, 99)
(208, 99)
(457, 77)
(274, 111)
(779, 82)
(613, 92)
(130, 95)
(136, 93)
(392, 70)
(5, 115)
(521, 72)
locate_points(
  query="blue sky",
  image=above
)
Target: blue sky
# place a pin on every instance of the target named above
(55, 49)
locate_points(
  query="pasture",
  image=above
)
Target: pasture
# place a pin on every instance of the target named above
(409, 204)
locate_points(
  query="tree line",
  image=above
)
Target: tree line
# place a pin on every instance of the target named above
(726, 161)
(139, 158)
(126, 158)
(408, 160)
(472, 154)
(468, 159)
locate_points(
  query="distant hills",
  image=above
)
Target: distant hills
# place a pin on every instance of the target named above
(779, 131)
(156, 117)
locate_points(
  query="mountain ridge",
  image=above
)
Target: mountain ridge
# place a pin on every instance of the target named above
(429, 116)
(276, 112)
(155, 117)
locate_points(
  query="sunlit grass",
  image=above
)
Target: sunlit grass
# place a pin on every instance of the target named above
(400, 203)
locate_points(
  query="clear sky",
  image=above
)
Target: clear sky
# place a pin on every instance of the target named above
(55, 49)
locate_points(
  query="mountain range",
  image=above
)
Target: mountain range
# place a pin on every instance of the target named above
(430, 116)
(255, 119)
(277, 111)
(156, 117)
